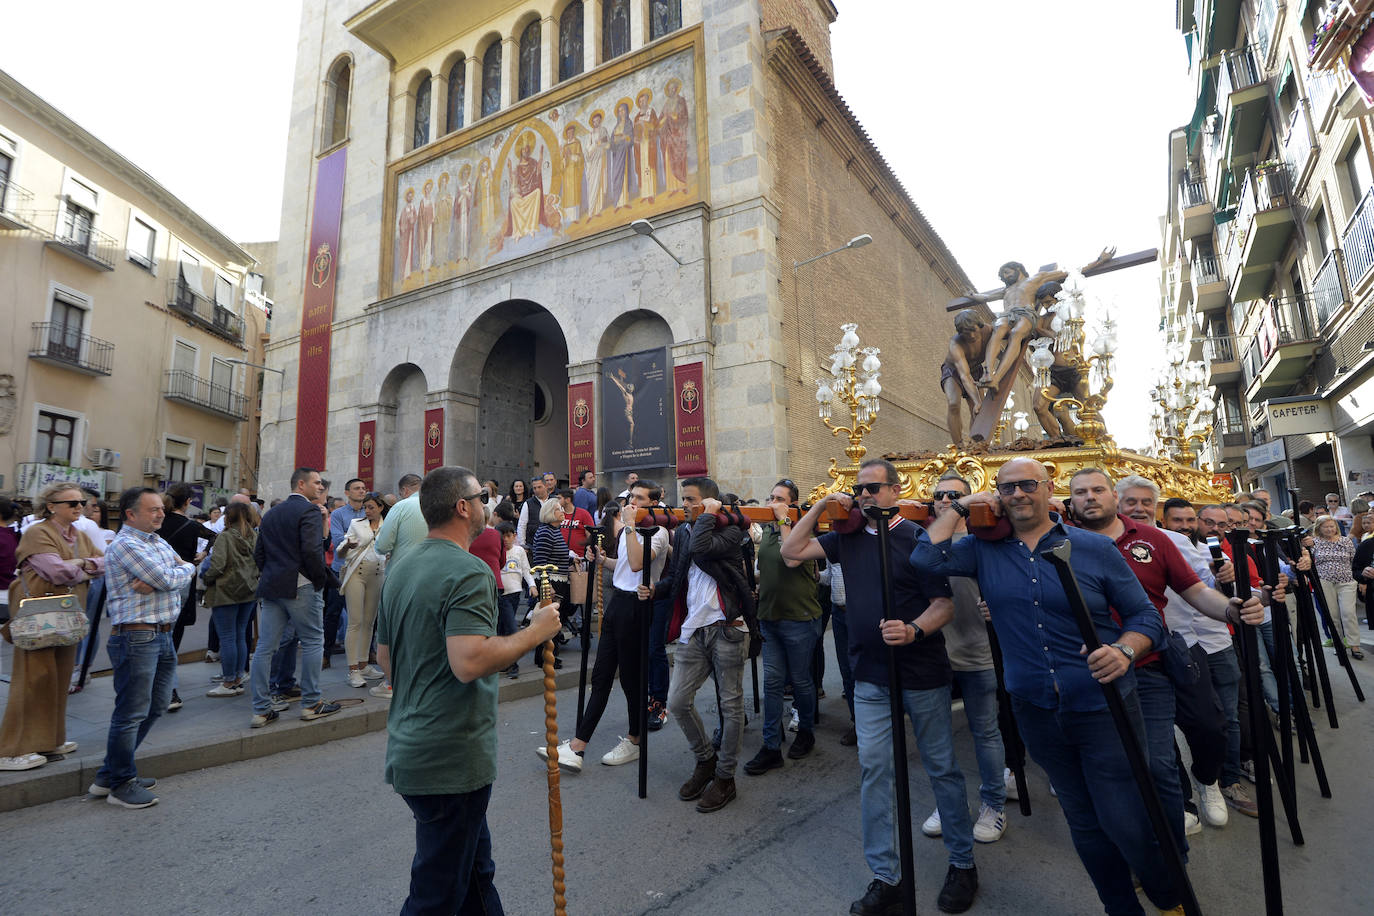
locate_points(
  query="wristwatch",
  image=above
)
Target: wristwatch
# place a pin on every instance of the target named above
(920, 633)
(1125, 650)
(959, 508)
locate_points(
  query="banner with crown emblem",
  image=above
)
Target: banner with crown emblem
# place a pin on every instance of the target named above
(581, 430)
(691, 420)
(434, 438)
(367, 451)
(317, 313)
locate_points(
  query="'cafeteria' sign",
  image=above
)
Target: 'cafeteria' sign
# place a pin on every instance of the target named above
(1297, 416)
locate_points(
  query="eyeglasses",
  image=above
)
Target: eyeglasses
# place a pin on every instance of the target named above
(870, 488)
(1026, 486)
(947, 494)
(481, 495)
(74, 503)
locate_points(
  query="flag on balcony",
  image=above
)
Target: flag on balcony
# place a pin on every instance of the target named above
(1362, 63)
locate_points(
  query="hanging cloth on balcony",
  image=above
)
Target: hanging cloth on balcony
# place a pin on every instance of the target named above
(1222, 217)
(1205, 102)
(1224, 196)
(1362, 63)
(192, 274)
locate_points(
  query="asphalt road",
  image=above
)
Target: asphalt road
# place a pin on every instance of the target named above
(317, 831)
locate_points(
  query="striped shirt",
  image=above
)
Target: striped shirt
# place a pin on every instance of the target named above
(135, 554)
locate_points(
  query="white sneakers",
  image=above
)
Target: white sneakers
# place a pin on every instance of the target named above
(1191, 825)
(1009, 780)
(1213, 805)
(568, 759)
(355, 678)
(382, 690)
(624, 752)
(22, 762)
(372, 673)
(990, 826)
(932, 825)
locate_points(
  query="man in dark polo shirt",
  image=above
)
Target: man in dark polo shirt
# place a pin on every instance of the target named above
(921, 606)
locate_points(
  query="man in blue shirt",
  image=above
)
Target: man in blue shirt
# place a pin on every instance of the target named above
(584, 497)
(1054, 682)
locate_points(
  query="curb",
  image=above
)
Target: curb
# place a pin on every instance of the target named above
(70, 777)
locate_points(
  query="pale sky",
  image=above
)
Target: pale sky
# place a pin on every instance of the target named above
(1022, 134)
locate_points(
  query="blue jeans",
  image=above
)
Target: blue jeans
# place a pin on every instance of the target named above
(1157, 709)
(231, 623)
(1224, 670)
(305, 612)
(283, 672)
(1082, 754)
(452, 871)
(658, 653)
(144, 662)
(933, 725)
(788, 650)
(979, 689)
(839, 629)
(505, 613)
(1268, 684)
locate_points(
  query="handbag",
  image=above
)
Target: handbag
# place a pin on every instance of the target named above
(577, 584)
(47, 622)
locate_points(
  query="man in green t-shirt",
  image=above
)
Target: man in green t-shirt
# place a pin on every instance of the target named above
(437, 643)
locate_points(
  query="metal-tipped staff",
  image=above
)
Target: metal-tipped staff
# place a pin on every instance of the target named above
(1259, 725)
(1058, 556)
(1337, 640)
(881, 517)
(560, 898)
(753, 587)
(646, 613)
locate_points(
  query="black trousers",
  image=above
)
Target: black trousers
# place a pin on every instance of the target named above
(1199, 715)
(618, 648)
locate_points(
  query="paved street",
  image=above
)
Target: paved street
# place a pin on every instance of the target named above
(316, 830)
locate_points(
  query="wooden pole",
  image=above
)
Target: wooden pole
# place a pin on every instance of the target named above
(560, 899)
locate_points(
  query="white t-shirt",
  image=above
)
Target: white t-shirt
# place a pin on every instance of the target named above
(703, 602)
(100, 537)
(1187, 621)
(625, 578)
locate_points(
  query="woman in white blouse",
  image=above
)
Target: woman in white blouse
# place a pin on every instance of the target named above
(361, 585)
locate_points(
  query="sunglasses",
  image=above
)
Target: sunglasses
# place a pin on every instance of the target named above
(947, 494)
(74, 503)
(481, 495)
(870, 488)
(1010, 487)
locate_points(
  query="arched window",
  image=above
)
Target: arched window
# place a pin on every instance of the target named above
(491, 79)
(456, 84)
(340, 81)
(570, 41)
(664, 16)
(421, 134)
(529, 60)
(615, 28)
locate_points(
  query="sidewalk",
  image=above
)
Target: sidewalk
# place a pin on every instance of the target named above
(209, 731)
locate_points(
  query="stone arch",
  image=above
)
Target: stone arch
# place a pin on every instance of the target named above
(401, 403)
(640, 329)
(338, 82)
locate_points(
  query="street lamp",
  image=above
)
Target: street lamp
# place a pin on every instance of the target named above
(857, 241)
(645, 228)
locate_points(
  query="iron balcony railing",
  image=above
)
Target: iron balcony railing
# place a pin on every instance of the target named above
(1357, 241)
(187, 388)
(1329, 291)
(1239, 70)
(66, 344)
(1297, 146)
(1192, 192)
(213, 317)
(15, 200)
(76, 236)
(1322, 88)
(1266, 17)
(1205, 268)
(1228, 431)
(1264, 187)
(1283, 320)
(1219, 349)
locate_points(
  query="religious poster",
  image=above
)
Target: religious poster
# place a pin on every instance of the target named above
(634, 410)
(367, 451)
(317, 315)
(626, 149)
(581, 430)
(434, 438)
(691, 420)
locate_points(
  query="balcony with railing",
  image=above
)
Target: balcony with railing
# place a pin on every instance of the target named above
(1329, 290)
(1219, 358)
(199, 310)
(1357, 241)
(1299, 148)
(1229, 439)
(1209, 283)
(65, 346)
(1242, 99)
(74, 237)
(1263, 225)
(1194, 206)
(1323, 88)
(185, 388)
(1266, 27)
(14, 203)
(1282, 348)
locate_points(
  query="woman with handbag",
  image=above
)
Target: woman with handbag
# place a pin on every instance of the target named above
(1334, 555)
(54, 559)
(232, 585)
(550, 548)
(361, 587)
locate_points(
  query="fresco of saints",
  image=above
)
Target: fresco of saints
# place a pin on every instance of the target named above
(672, 137)
(646, 146)
(598, 143)
(405, 236)
(443, 219)
(460, 237)
(424, 229)
(621, 181)
(525, 213)
(486, 196)
(573, 168)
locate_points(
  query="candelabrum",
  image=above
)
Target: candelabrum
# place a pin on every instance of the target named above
(854, 374)
(1092, 372)
(1183, 407)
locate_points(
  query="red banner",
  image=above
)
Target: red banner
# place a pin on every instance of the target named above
(367, 450)
(317, 313)
(434, 438)
(581, 431)
(1224, 481)
(689, 409)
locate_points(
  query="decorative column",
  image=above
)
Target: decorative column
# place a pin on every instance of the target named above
(438, 106)
(472, 90)
(639, 23)
(510, 70)
(548, 54)
(591, 34)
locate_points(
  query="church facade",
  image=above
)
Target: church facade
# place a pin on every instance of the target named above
(565, 237)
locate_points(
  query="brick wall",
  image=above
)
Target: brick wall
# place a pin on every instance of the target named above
(811, 18)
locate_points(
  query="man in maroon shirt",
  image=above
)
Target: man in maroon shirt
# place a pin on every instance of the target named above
(576, 521)
(1158, 565)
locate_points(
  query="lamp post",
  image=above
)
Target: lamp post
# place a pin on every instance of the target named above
(854, 382)
(1181, 399)
(1094, 367)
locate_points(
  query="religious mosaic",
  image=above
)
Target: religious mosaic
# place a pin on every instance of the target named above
(622, 151)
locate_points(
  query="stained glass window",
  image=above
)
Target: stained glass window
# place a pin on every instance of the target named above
(615, 28)
(456, 85)
(491, 79)
(570, 41)
(421, 134)
(664, 16)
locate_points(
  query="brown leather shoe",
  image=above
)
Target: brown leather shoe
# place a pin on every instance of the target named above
(701, 777)
(717, 795)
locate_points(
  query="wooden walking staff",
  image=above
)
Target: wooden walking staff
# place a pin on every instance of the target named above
(1058, 557)
(560, 899)
(594, 601)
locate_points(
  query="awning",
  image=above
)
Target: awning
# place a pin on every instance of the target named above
(1224, 195)
(1222, 217)
(1284, 75)
(1206, 98)
(192, 273)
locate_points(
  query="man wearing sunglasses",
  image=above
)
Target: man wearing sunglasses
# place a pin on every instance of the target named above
(921, 606)
(1054, 682)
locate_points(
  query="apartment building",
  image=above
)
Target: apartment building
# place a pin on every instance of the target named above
(1267, 257)
(129, 318)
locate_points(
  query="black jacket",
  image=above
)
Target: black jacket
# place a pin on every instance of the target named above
(718, 552)
(291, 544)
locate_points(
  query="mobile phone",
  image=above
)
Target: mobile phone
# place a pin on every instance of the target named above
(1218, 557)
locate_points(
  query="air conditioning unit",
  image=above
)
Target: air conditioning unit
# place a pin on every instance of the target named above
(205, 473)
(106, 459)
(114, 483)
(155, 467)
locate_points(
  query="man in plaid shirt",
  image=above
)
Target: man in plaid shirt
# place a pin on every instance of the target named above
(145, 581)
